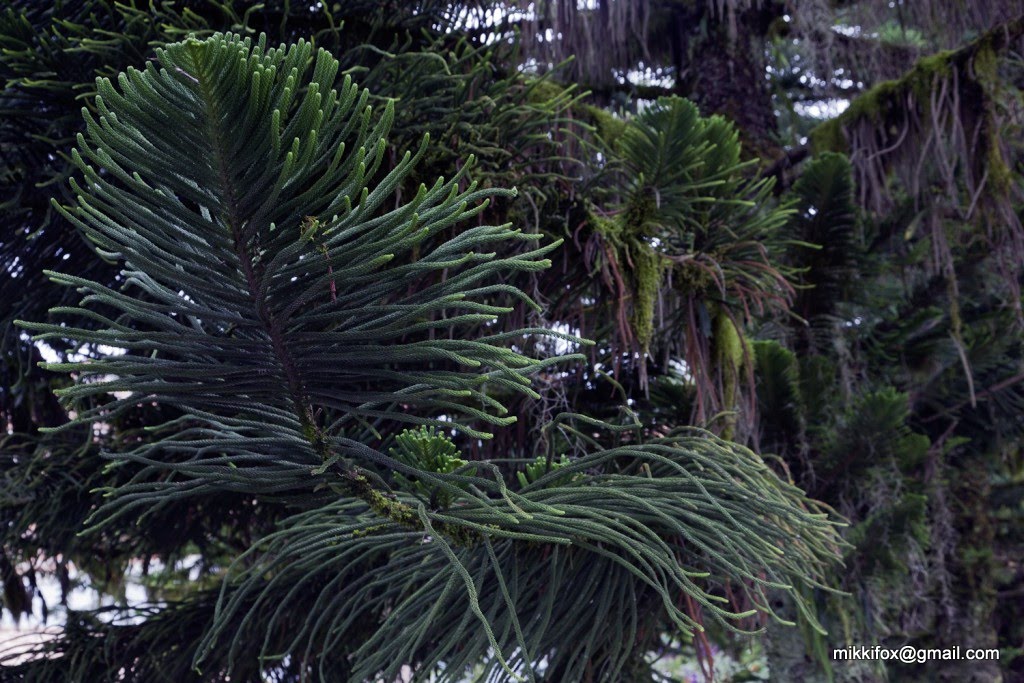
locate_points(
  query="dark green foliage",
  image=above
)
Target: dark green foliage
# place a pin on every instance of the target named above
(308, 309)
(53, 54)
(780, 400)
(282, 305)
(688, 255)
(890, 392)
(390, 460)
(425, 449)
(825, 224)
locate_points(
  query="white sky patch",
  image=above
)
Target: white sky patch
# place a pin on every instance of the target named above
(50, 355)
(84, 352)
(560, 346)
(821, 109)
(680, 367)
(851, 31)
(644, 75)
(83, 596)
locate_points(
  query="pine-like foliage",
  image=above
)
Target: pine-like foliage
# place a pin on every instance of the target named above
(52, 54)
(828, 243)
(284, 307)
(693, 243)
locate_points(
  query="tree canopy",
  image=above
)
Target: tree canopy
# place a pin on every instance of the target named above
(511, 341)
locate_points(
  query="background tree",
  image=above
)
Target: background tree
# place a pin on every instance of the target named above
(855, 313)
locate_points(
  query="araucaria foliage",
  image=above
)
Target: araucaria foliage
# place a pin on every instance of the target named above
(305, 333)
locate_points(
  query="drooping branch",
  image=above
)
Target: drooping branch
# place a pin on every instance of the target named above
(937, 135)
(945, 103)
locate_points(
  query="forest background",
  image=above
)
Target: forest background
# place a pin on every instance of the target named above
(796, 225)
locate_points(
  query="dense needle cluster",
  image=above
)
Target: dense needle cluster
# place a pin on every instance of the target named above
(275, 298)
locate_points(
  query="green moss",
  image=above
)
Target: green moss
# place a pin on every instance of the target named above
(880, 101)
(692, 279)
(921, 78)
(874, 102)
(646, 266)
(609, 127)
(396, 511)
(986, 61)
(360, 533)
(390, 508)
(985, 65)
(999, 173)
(641, 208)
(872, 105)
(648, 270)
(729, 342)
(829, 137)
(543, 90)
(732, 352)
(609, 228)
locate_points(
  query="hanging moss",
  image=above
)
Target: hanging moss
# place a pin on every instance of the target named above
(985, 66)
(691, 279)
(732, 351)
(876, 103)
(922, 77)
(986, 60)
(641, 209)
(730, 344)
(999, 172)
(646, 266)
(609, 228)
(648, 270)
